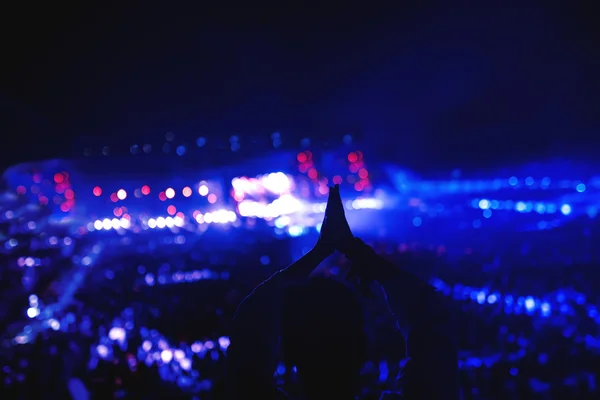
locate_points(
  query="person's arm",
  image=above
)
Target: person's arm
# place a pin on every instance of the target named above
(422, 317)
(256, 330)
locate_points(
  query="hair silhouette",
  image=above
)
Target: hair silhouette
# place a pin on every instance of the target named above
(323, 335)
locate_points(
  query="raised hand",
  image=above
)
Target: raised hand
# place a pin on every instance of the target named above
(345, 239)
(335, 231)
(336, 218)
(327, 236)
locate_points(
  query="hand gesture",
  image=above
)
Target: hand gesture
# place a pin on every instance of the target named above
(335, 231)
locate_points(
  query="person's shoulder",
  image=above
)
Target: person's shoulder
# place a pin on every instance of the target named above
(432, 374)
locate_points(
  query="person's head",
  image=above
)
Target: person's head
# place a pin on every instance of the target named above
(324, 337)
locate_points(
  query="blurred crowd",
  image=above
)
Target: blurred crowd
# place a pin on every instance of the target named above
(131, 317)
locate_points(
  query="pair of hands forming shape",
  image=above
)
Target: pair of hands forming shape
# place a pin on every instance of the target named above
(335, 231)
(337, 235)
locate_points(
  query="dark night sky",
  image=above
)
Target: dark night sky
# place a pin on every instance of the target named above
(432, 85)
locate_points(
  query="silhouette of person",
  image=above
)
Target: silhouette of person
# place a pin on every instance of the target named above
(318, 325)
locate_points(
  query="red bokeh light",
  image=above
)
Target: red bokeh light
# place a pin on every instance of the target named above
(358, 186)
(352, 157)
(118, 211)
(64, 207)
(162, 196)
(43, 200)
(363, 173)
(145, 190)
(353, 168)
(171, 210)
(69, 194)
(21, 189)
(301, 157)
(308, 155)
(312, 173)
(212, 198)
(114, 198)
(59, 178)
(97, 191)
(337, 179)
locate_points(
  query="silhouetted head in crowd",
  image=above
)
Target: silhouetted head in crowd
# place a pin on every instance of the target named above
(324, 337)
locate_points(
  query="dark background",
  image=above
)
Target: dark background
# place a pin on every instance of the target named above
(431, 85)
